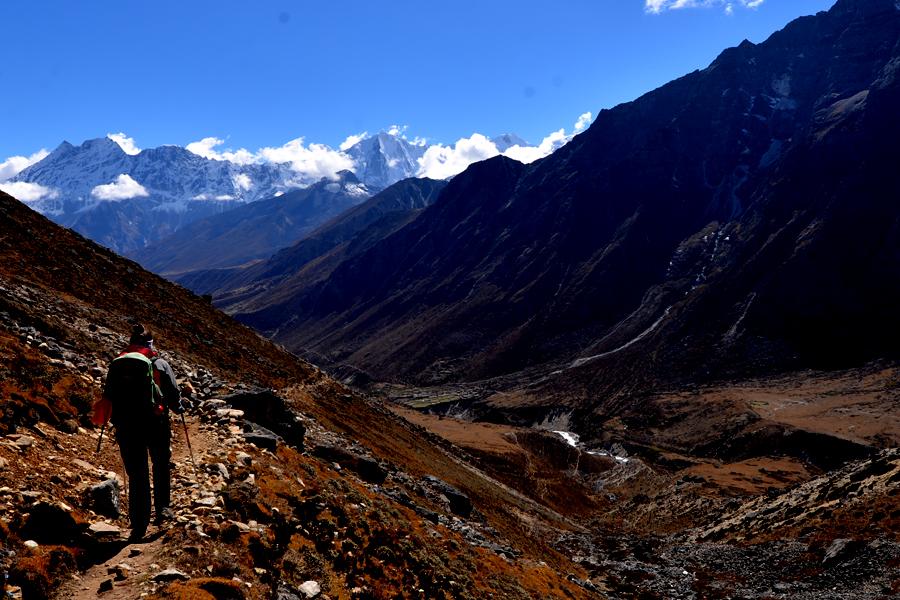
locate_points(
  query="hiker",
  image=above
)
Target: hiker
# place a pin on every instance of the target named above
(142, 389)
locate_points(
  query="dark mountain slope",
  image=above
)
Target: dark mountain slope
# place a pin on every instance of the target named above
(587, 250)
(64, 296)
(254, 231)
(316, 255)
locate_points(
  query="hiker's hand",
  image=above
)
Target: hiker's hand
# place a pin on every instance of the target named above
(187, 389)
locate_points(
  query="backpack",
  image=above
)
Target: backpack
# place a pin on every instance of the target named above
(132, 388)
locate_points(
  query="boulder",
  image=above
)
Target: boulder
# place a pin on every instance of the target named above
(48, 523)
(460, 504)
(366, 468)
(260, 436)
(271, 411)
(103, 498)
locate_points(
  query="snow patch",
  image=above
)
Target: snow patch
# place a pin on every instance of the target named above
(571, 438)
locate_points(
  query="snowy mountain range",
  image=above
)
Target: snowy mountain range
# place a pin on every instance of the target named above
(127, 198)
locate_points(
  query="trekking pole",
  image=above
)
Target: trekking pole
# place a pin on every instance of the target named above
(100, 439)
(188, 438)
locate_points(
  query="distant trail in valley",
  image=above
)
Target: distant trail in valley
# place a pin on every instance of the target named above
(583, 361)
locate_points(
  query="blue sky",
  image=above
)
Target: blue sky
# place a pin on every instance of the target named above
(265, 72)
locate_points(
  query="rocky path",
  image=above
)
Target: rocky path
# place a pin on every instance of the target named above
(137, 567)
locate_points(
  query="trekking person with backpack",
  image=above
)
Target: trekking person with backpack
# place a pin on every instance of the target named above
(142, 389)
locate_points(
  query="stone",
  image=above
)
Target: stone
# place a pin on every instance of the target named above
(68, 426)
(3, 463)
(243, 458)
(229, 413)
(83, 464)
(31, 544)
(105, 586)
(208, 501)
(49, 523)
(271, 411)
(261, 437)
(104, 530)
(170, 575)
(103, 498)
(839, 550)
(120, 571)
(24, 442)
(310, 589)
(222, 471)
(460, 504)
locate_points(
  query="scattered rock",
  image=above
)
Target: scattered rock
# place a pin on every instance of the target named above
(270, 411)
(170, 575)
(229, 413)
(839, 550)
(24, 442)
(261, 437)
(310, 588)
(103, 498)
(50, 524)
(121, 571)
(460, 503)
(105, 586)
(367, 468)
(3, 463)
(104, 530)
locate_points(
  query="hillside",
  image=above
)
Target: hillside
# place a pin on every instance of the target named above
(315, 256)
(61, 321)
(737, 221)
(308, 489)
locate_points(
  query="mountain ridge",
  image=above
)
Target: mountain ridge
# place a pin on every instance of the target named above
(631, 207)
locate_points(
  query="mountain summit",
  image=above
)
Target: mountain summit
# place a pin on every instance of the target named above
(125, 201)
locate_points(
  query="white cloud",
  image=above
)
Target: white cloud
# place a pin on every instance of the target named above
(125, 143)
(205, 148)
(658, 6)
(529, 154)
(352, 140)
(583, 121)
(242, 181)
(441, 162)
(397, 130)
(28, 192)
(314, 161)
(123, 188)
(13, 165)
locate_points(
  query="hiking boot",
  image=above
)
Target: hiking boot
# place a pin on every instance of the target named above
(164, 515)
(137, 534)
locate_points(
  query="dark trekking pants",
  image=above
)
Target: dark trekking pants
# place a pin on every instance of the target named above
(136, 442)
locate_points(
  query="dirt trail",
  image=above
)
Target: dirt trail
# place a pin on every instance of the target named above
(147, 557)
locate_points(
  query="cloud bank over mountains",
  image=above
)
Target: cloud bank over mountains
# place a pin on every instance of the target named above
(309, 161)
(20, 189)
(315, 161)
